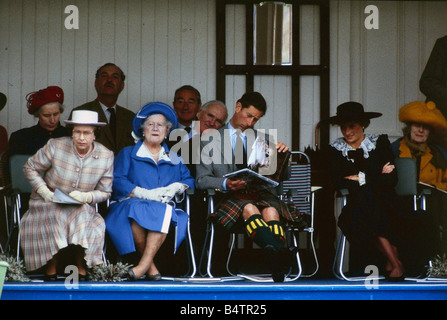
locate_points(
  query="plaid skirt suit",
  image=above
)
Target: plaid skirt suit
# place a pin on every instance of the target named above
(48, 227)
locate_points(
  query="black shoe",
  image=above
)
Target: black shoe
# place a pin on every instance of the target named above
(50, 277)
(82, 277)
(396, 279)
(154, 277)
(131, 275)
(273, 257)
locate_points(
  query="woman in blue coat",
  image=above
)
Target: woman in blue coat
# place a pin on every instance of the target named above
(147, 181)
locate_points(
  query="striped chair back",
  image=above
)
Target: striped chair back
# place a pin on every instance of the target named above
(300, 181)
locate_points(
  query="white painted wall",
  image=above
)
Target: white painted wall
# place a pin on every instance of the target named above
(162, 45)
(381, 68)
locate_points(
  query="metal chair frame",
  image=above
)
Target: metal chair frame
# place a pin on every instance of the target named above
(19, 185)
(303, 199)
(406, 186)
(340, 251)
(285, 194)
(192, 266)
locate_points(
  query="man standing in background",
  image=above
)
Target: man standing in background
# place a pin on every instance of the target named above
(117, 134)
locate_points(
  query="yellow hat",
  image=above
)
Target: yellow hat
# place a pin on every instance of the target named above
(425, 113)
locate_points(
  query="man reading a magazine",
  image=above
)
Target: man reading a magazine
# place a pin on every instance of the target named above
(260, 212)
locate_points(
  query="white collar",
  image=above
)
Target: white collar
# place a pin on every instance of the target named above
(368, 144)
(143, 152)
(233, 131)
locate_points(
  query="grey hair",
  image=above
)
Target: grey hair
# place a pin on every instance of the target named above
(61, 109)
(169, 124)
(213, 102)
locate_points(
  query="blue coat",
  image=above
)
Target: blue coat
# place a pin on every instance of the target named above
(131, 171)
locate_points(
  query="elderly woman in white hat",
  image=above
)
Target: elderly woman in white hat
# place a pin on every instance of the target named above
(83, 169)
(424, 127)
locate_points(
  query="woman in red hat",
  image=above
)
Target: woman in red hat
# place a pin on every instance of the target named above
(47, 106)
(363, 164)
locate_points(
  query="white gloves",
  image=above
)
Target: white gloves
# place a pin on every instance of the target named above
(83, 197)
(163, 194)
(153, 194)
(45, 193)
(174, 189)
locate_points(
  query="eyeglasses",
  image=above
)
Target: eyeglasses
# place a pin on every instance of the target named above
(79, 133)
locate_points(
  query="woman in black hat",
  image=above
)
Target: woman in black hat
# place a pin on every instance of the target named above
(362, 163)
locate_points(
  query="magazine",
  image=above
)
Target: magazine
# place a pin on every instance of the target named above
(254, 180)
(431, 186)
(62, 198)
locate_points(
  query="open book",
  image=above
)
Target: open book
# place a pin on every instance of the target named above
(62, 198)
(254, 180)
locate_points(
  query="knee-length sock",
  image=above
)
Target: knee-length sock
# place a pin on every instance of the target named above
(259, 231)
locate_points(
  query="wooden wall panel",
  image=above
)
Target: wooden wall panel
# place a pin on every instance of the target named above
(162, 45)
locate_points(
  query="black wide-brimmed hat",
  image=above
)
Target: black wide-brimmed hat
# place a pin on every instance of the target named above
(351, 111)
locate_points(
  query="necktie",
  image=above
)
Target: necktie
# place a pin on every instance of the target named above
(188, 131)
(112, 122)
(238, 148)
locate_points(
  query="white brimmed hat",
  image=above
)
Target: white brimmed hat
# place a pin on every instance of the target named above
(86, 118)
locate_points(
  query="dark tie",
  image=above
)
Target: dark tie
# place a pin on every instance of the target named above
(112, 122)
(239, 147)
(188, 130)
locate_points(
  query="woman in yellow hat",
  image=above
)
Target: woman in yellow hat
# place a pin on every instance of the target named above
(424, 124)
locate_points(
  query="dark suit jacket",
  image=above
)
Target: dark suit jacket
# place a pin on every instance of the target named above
(433, 81)
(216, 157)
(124, 119)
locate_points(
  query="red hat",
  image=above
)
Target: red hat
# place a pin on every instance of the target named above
(39, 98)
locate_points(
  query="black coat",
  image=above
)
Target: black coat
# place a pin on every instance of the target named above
(370, 206)
(29, 140)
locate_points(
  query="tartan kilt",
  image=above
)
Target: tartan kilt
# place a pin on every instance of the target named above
(230, 208)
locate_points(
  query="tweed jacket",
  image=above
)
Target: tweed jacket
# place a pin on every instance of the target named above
(124, 119)
(64, 170)
(433, 82)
